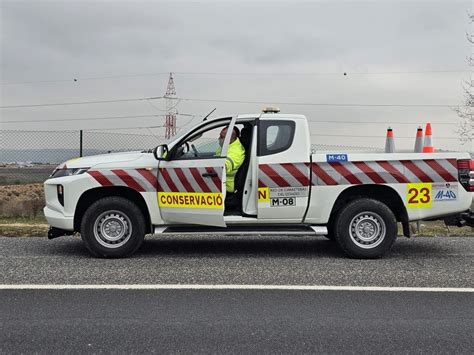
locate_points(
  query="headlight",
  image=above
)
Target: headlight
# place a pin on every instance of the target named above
(58, 172)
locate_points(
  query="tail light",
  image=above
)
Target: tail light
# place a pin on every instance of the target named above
(466, 173)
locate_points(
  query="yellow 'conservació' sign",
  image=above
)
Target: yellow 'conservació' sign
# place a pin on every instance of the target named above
(190, 199)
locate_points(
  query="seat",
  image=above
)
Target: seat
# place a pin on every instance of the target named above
(233, 200)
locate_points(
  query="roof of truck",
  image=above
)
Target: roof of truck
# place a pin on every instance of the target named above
(276, 116)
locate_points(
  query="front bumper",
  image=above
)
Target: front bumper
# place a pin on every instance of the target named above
(58, 220)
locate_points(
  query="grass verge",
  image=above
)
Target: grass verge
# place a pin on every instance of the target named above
(23, 227)
(439, 229)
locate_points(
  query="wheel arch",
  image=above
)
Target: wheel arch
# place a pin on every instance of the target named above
(382, 193)
(95, 194)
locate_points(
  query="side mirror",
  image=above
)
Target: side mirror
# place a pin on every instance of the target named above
(161, 152)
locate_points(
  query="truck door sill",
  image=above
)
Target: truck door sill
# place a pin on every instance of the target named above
(244, 230)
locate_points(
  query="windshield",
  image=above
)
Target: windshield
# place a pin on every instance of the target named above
(168, 142)
(183, 132)
(180, 134)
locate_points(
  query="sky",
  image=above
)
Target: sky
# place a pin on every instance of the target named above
(409, 57)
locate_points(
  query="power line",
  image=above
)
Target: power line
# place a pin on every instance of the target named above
(120, 128)
(81, 102)
(95, 130)
(159, 109)
(82, 119)
(379, 122)
(230, 101)
(342, 72)
(99, 130)
(367, 136)
(78, 79)
(194, 116)
(116, 134)
(105, 77)
(315, 104)
(93, 118)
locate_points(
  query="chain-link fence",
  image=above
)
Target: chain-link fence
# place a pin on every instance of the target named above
(30, 156)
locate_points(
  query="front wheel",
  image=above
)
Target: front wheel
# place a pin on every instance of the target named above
(113, 227)
(365, 228)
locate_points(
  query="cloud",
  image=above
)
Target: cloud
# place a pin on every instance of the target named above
(61, 40)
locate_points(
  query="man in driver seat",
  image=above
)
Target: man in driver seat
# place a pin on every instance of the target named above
(235, 156)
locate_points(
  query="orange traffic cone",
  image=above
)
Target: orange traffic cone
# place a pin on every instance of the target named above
(419, 140)
(428, 144)
(389, 142)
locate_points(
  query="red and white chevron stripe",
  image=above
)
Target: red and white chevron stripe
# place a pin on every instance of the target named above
(141, 180)
(169, 179)
(190, 180)
(357, 172)
(284, 175)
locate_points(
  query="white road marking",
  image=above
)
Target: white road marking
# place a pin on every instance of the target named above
(235, 287)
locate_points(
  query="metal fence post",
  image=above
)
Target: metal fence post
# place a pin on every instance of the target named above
(80, 143)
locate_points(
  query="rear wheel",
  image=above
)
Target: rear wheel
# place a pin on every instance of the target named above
(365, 228)
(113, 227)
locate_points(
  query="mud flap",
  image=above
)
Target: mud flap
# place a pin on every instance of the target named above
(406, 229)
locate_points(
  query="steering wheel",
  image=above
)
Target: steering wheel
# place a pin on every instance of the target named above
(196, 153)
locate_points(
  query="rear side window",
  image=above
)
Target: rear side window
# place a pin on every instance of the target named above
(275, 136)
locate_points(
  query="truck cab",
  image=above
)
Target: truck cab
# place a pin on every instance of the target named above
(192, 169)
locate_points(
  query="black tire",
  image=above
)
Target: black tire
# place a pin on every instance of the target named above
(365, 229)
(113, 227)
(330, 236)
(330, 227)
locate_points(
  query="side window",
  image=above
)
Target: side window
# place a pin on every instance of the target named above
(272, 133)
(200, 145)
(275, 136)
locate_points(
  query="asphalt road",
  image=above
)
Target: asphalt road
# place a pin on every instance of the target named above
(418, 262)
(237, 321)
(185, 321)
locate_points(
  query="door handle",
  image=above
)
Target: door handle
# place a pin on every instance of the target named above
(209, 175)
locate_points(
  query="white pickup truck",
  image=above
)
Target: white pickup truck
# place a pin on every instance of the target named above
(354, 198)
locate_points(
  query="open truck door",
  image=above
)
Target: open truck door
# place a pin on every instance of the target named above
(191, 181)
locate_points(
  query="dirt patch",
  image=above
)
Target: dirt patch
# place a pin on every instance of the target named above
(438, 229)
(20, 225)
(21, 200)
(23, 230)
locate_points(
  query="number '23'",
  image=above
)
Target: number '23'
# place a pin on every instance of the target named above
(419, 196)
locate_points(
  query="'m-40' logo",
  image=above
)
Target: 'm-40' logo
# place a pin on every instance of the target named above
(445, 192)
(336, 157)
(445, 195)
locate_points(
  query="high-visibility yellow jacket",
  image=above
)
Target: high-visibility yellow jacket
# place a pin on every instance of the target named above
(235, 158)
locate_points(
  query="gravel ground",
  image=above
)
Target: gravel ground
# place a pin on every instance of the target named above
(421, 261)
